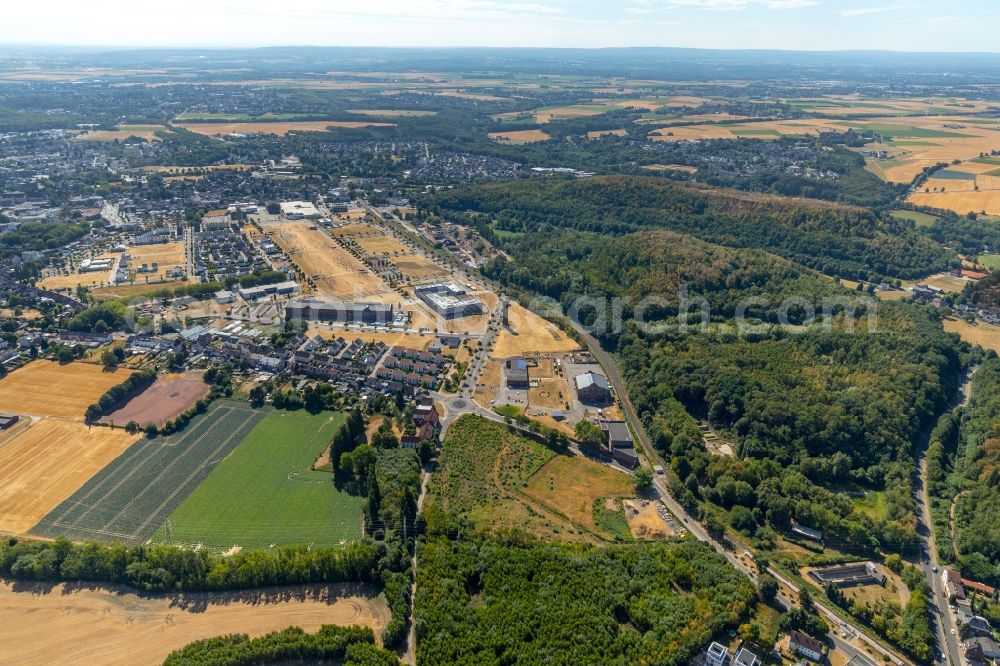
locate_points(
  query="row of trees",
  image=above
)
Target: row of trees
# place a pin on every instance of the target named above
(162, 568)
(349, 646)
(119, 394)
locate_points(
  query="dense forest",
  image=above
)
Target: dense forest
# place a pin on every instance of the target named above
(511, 600)
(813, 415)
(565, 264)
(835, 240)
(964, 474)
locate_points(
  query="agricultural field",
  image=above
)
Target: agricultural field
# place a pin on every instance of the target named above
(47, 388)
(168, 397)
(337, 274)
(417, 267)
(122, 132)
(276, 128)
(380, 245)
(944, 281)
(603, 133)
(980, 333)
(132, 496)
(670, 167)
(918, 218)
(46, 461)
(392, 113)
(73, 624)
(167, 256)
(520, 137)
(530, 333)
(265, 492)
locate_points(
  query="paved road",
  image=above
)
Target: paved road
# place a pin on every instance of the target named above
(615, 379)
(944, 621)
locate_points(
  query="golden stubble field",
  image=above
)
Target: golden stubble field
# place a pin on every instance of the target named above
(48, 459)
(276, 128)
(520, 137)
(337, 274)
(45, 463)
(47, 388)
(61, 624)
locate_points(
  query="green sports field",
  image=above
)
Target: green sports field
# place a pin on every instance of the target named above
(265, 493)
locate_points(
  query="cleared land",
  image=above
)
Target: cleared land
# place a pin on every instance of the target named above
(276, 128)
(377, 245)
(337, 274)
(265, 492)
(645, 521)
(122, 132)
(129, 498)
(944, 281)
(417, 267)
(602, 133)
(670, 167)
(116, 626)
(530, 333)
(169, 396)
(351, 229)
(46, 462)
(46, 388)
(520, 137)
(166, 256)
(571, 484)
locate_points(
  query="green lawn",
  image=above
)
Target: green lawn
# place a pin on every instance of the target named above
(918, 218)
(991, 261)
(873, 504)
(265, 493)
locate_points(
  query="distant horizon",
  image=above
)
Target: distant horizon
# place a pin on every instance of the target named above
(893, 26)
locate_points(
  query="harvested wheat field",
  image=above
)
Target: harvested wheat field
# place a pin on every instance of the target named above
(572, 483)
(980, 333)
(116, 626)
(520, 137)
(417, 267)
(530, 334)
(645, 521)
(276, 128)
(47, 388)
(961, 202)
(122, 132)
(43, 464)
(670, 167)
(166, 398)
(602, 133)
(378, 245)
(337, 274)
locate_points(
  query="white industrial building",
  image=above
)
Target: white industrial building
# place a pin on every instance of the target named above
(299, 210)
(449, 300)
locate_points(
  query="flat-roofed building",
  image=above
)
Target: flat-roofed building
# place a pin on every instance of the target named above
(314, 309)
(299, 210)
(449, 300)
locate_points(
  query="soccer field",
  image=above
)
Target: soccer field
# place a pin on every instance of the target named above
(131, 497)
(265, 493)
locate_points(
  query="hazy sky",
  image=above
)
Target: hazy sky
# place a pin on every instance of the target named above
(909, 25)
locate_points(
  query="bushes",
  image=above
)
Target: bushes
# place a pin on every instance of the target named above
(161, 568)
(353, 646)
(116, 396)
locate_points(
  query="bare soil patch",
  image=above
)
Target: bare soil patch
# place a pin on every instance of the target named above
(645, 521)
(168, 397)
(530, 333)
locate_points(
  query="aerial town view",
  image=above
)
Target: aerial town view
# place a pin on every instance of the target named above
(656, 332)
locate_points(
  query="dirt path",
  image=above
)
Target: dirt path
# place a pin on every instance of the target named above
(62, 624)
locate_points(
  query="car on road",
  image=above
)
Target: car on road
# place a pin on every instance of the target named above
(934, 569)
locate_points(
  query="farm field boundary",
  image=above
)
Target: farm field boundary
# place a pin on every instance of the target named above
(133, 495)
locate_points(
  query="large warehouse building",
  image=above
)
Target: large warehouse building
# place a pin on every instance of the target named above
(314, 309)
(449, 300)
